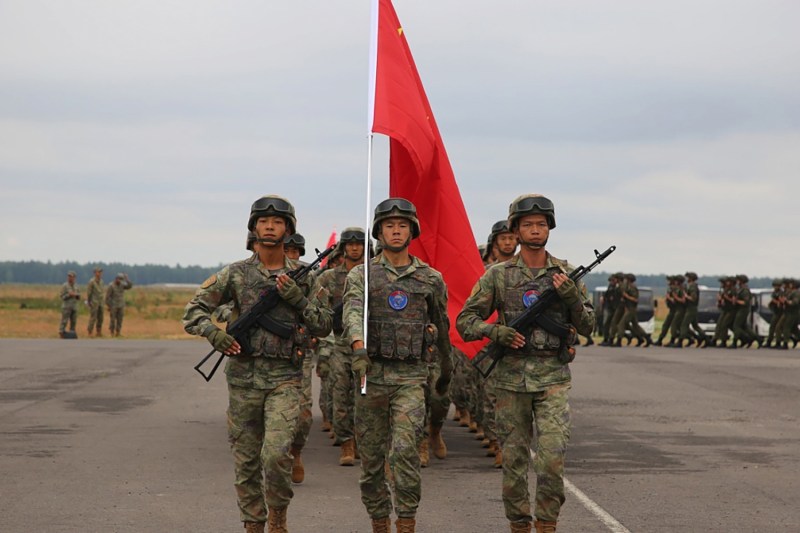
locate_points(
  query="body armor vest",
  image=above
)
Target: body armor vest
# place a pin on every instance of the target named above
(521, 294)
(398, 315)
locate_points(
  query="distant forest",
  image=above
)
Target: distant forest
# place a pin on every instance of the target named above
(56, 273)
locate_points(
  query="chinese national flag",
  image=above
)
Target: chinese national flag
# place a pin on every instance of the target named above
(331, 242)
(419, 168)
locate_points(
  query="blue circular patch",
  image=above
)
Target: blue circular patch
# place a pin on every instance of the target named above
(398, 300)
(530, 297)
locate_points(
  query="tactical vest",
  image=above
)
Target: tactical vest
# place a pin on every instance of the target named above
(265, 343)
(521, 294)
(337, 294)
(398, 326)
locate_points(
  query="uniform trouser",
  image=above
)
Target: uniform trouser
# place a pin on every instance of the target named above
(489, 408)
(343, 393)
(517, 413)
(774, 327)
(473, 391)
(458, 387)
(675, 330)
(629, 321)
(115, 315)
(667, 323)
(741, 332)
(68, 315)
(480, 400)
(609, 322)
(725, 322)
(96, 317)
(389, 421)
(690, 324)
(261, 427)
(306, 402)
(436, 405)
(616, 318)
(789, 329)
(325, 393)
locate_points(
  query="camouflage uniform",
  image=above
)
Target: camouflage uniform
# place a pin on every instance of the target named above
(742, 333)
(343, 388)
(70, 296)
(727, 307)
(776, 305)
(611, 302)
(403, 302)
(94, 296)
(264, 387)
(690, 324)
(115, 301)
(791, 315)
(532, 383)
(324, 351)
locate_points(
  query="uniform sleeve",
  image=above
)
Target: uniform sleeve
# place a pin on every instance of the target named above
(440, 319)
(213, 293)
(353, 310)
(64, 292)
(582, 313)
(317, 315)
(479, 306)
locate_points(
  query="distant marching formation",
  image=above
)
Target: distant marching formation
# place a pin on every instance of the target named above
(681, 323)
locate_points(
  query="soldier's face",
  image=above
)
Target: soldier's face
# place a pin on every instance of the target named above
(396, 232)
(292, 252)
(71, 278)
(271, 229)
(98, 275)
(533, 230)
(354, 251)
(506, 243)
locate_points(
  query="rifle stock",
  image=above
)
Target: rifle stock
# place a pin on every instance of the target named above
(524, 322)
(240, 328)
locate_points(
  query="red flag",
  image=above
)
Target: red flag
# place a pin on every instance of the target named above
(419, 168)
(331, 242)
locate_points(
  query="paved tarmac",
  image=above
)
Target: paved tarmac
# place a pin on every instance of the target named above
(118, 436)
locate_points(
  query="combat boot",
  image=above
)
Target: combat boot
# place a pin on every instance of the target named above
(473, 427)
(480, 435)
(457, 415)
(382, 525)
(406, 525)
(348, 455)
(492, 451)
(464, 420)
(276, 520)
(254, 527)
(545, 527)
(486, 442)
(298, 470)
(589, 341)
(498, 458)
(326, 426)
(424, 456)
(520, 527)
(437, 443)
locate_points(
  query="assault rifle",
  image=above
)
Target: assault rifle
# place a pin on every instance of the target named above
(258, 316)
(534, 316)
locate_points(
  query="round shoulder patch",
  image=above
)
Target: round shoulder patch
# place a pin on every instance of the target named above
(209, 282)
(530, 297)
(398, 300)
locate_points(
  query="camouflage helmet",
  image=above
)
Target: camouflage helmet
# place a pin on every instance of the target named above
(296, 240)
(777, 282)
(395, 207)
(743, 278)
(352, 234)
(679, 278)
(691, 275)
(272, 205)
(630, 277)
(501, 226)
(531, 204)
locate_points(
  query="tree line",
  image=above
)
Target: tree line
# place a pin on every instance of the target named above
(41, 272)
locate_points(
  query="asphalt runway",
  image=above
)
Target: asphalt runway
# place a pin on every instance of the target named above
(116, 435)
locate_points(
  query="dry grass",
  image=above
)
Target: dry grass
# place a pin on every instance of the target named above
(34, 311)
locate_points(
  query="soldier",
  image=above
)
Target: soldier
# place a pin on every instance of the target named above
(679, 302)
(669, 298)
(502, 242)
(791, 315)
(725, 301)
(776, 305)
(70, 296)
(342, 384)
(690, 325)
(115, 301)
(629, 320)
(611, 302)
(533, 379)
(407, 318)
(742, 333)
(264, 385)
(616, 318)
(94, 297)
(294, 246)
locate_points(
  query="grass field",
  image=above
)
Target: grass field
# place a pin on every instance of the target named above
(34, 311)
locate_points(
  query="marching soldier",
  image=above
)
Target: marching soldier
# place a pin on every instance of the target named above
(533, 379)
(264, 385)
(776, 305)
(407, 323)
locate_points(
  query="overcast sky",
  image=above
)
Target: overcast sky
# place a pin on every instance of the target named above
(141, 131)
